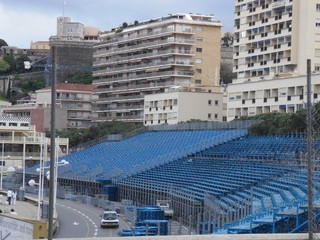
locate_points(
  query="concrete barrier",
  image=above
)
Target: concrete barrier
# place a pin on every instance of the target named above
(303, 236)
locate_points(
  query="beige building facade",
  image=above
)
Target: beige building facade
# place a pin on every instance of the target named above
(273, 38)
(148, 57)
(181, 105)
(40, 45)
(75, 98)
(20, 142)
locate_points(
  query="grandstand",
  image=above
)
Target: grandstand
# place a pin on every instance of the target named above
(221, 177)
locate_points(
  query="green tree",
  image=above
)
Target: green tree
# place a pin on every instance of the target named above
(3, 43)
(80, 77)
(31, 85)
(278, 123)
(10, 59)
(4, 66)
(227, 40)
(226, 74)
(78, 136)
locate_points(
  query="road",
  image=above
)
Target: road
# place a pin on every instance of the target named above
(79, 220)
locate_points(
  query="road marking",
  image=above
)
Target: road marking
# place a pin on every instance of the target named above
(87, 217)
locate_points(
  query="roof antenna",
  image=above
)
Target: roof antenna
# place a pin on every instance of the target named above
(64, 3)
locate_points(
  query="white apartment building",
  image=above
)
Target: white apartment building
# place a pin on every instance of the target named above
(181, 105)
(273, 38)
(284, 95)
(148, 57)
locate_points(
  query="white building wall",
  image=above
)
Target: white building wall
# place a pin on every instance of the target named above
(285, 95)
(175, 107)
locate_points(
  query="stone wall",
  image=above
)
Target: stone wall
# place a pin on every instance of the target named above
(72, 57)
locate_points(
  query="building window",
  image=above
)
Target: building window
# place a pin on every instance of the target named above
(318, 7)
(209, 116)
(198, 81)
(215, 116)
(318, 22)
(198, 60)
(199, 39)
(13, 124)
(209, 102)
(216, 102)
(199, 49)
(199, 28)
(199, 70)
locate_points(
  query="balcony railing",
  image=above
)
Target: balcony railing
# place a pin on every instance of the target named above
(142, 46)
(133, 87)
(143, 35)
(117, 58)
(113, 70)
(279, 3)
(120, 109)
(31, 139)
(108, 99)
(143, 76)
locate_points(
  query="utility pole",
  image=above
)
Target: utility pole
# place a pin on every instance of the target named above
(309, 153)
(52, 142)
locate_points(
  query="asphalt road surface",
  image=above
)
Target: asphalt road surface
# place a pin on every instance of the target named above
(79, 220)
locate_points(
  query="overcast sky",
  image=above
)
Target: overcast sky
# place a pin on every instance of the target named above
(23, 21)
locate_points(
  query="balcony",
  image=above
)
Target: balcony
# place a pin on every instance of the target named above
(278, 4)
(134, 77)
(121, 109)
(148, 35)
(164, 64)
(133, 87)
(135, 48)
(129, 118)
(120, 98)
(117, 59)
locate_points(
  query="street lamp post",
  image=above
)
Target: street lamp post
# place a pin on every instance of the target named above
(24, 164)
(2, 154)
(41, 170)
(2, 163)
(52, 75)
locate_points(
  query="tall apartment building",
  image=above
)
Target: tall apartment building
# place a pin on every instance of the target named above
(273, 38)
(148, 57)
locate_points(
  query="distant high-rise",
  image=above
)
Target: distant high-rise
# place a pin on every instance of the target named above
(148, 57)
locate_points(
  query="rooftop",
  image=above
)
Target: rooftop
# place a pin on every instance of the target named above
(176, 16)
